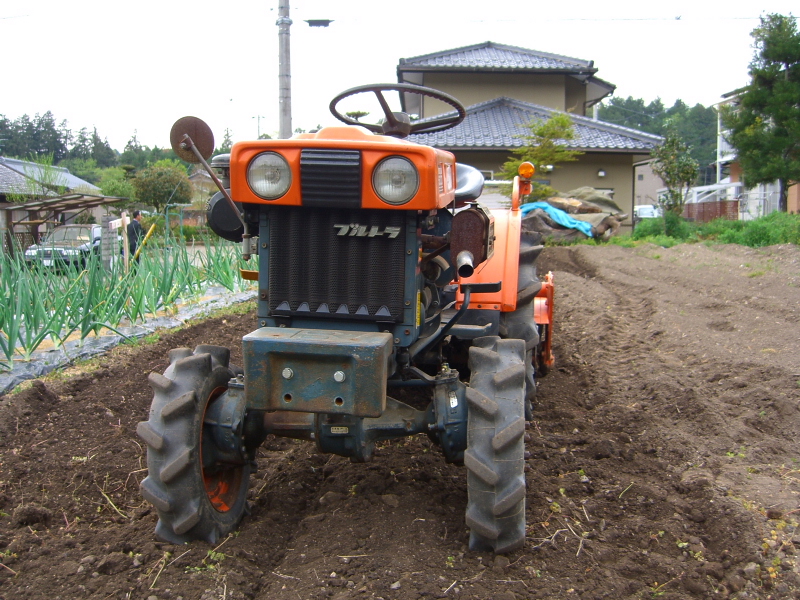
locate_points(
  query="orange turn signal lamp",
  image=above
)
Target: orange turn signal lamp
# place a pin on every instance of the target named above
(526, 170)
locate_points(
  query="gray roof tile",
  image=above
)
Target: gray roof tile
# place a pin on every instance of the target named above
(492, 56)
(18, 177)
(499, 123)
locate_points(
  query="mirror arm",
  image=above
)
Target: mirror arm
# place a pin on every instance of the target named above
(188, 144)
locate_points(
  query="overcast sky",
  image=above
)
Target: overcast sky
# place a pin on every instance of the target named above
(139, 66)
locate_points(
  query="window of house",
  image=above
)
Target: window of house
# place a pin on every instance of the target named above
(640, 177)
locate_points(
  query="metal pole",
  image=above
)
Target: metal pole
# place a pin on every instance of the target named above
(284, 71)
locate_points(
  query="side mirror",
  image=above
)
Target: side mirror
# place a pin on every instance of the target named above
(201, 135)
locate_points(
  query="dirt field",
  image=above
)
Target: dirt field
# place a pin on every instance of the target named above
(664, 462)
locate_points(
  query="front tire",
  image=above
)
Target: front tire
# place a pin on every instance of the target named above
(194, 501)
(495, 455)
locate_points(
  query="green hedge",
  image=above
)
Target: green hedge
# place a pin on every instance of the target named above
(775, 228)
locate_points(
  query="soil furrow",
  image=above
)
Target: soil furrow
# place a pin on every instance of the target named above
(662, 461)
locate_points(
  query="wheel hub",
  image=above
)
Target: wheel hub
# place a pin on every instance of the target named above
(222, 447)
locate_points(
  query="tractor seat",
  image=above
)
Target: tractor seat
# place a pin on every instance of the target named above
(469, 184)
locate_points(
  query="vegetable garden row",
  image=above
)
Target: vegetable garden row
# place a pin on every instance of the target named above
(44, 304)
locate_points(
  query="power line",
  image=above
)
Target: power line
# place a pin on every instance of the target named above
(611, 19)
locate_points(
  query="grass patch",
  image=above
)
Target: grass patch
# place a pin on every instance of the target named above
(775, 228)
(670, 230)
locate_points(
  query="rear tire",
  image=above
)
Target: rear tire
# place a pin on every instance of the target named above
(193, 502)
(495, 455)
(520, 323)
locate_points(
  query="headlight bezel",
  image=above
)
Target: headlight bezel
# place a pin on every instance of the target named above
(409, 191)
(282, 185)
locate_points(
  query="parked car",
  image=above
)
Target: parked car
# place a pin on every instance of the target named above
(647, 211)
(67, 245)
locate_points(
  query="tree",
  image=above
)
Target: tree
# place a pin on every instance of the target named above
(697, 128)
(82, 146)
(545, 145)
(356, 114)
(677, 169)
(634, 113)
(695, 125)
(134, 153)
(227, 143)
(116, 182)
(163, 183)
(765, 126)
(38, 137)
(102, 152)
(85, 168)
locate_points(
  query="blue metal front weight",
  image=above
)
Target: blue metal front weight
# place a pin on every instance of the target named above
(317, 371)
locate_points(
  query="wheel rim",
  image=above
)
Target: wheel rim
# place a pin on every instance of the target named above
(223, 484)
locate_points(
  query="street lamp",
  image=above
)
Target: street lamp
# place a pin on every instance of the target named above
(285, 68)
(284, 71)
(259, 117)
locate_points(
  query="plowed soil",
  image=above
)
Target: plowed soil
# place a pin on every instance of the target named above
(664, 462)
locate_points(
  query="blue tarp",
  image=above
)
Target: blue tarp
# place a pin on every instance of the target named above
(559, 216)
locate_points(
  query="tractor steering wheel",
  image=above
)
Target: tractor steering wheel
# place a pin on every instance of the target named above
(398, 124)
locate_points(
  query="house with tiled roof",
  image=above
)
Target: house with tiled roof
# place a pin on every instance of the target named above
(504, 88)
(32, 194)
(477, 73)
(22, 180)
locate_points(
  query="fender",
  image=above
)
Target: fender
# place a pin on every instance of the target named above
(502, 266)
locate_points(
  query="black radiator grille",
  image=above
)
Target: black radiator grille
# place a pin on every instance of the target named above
(331, 178)
(316, 272)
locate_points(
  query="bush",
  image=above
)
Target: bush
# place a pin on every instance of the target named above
(713, 229)
(667, 231)
(157, 220)
(676, 227)
(775, 228)
(191, 233)
(648, 228)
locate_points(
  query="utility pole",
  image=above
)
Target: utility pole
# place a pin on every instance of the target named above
(284, 71)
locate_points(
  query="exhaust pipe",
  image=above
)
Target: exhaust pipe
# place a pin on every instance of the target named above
(465, 264)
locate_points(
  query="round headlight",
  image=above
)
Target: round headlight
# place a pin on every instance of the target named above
(395, 180)
(269, 175)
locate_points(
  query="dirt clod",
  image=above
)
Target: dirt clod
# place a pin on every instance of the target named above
(31, 514)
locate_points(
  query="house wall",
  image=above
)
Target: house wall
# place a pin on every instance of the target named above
(793, 194)
(553, 91)
(645, 184)
(574, 96)
(735, 172)
(570, 176)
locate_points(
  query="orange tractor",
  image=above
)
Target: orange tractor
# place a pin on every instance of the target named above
(378, 271)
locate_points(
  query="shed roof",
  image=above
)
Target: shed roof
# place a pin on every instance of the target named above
(499, 124)
(64, 203)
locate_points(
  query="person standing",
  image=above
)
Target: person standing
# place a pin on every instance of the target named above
(135, 232)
